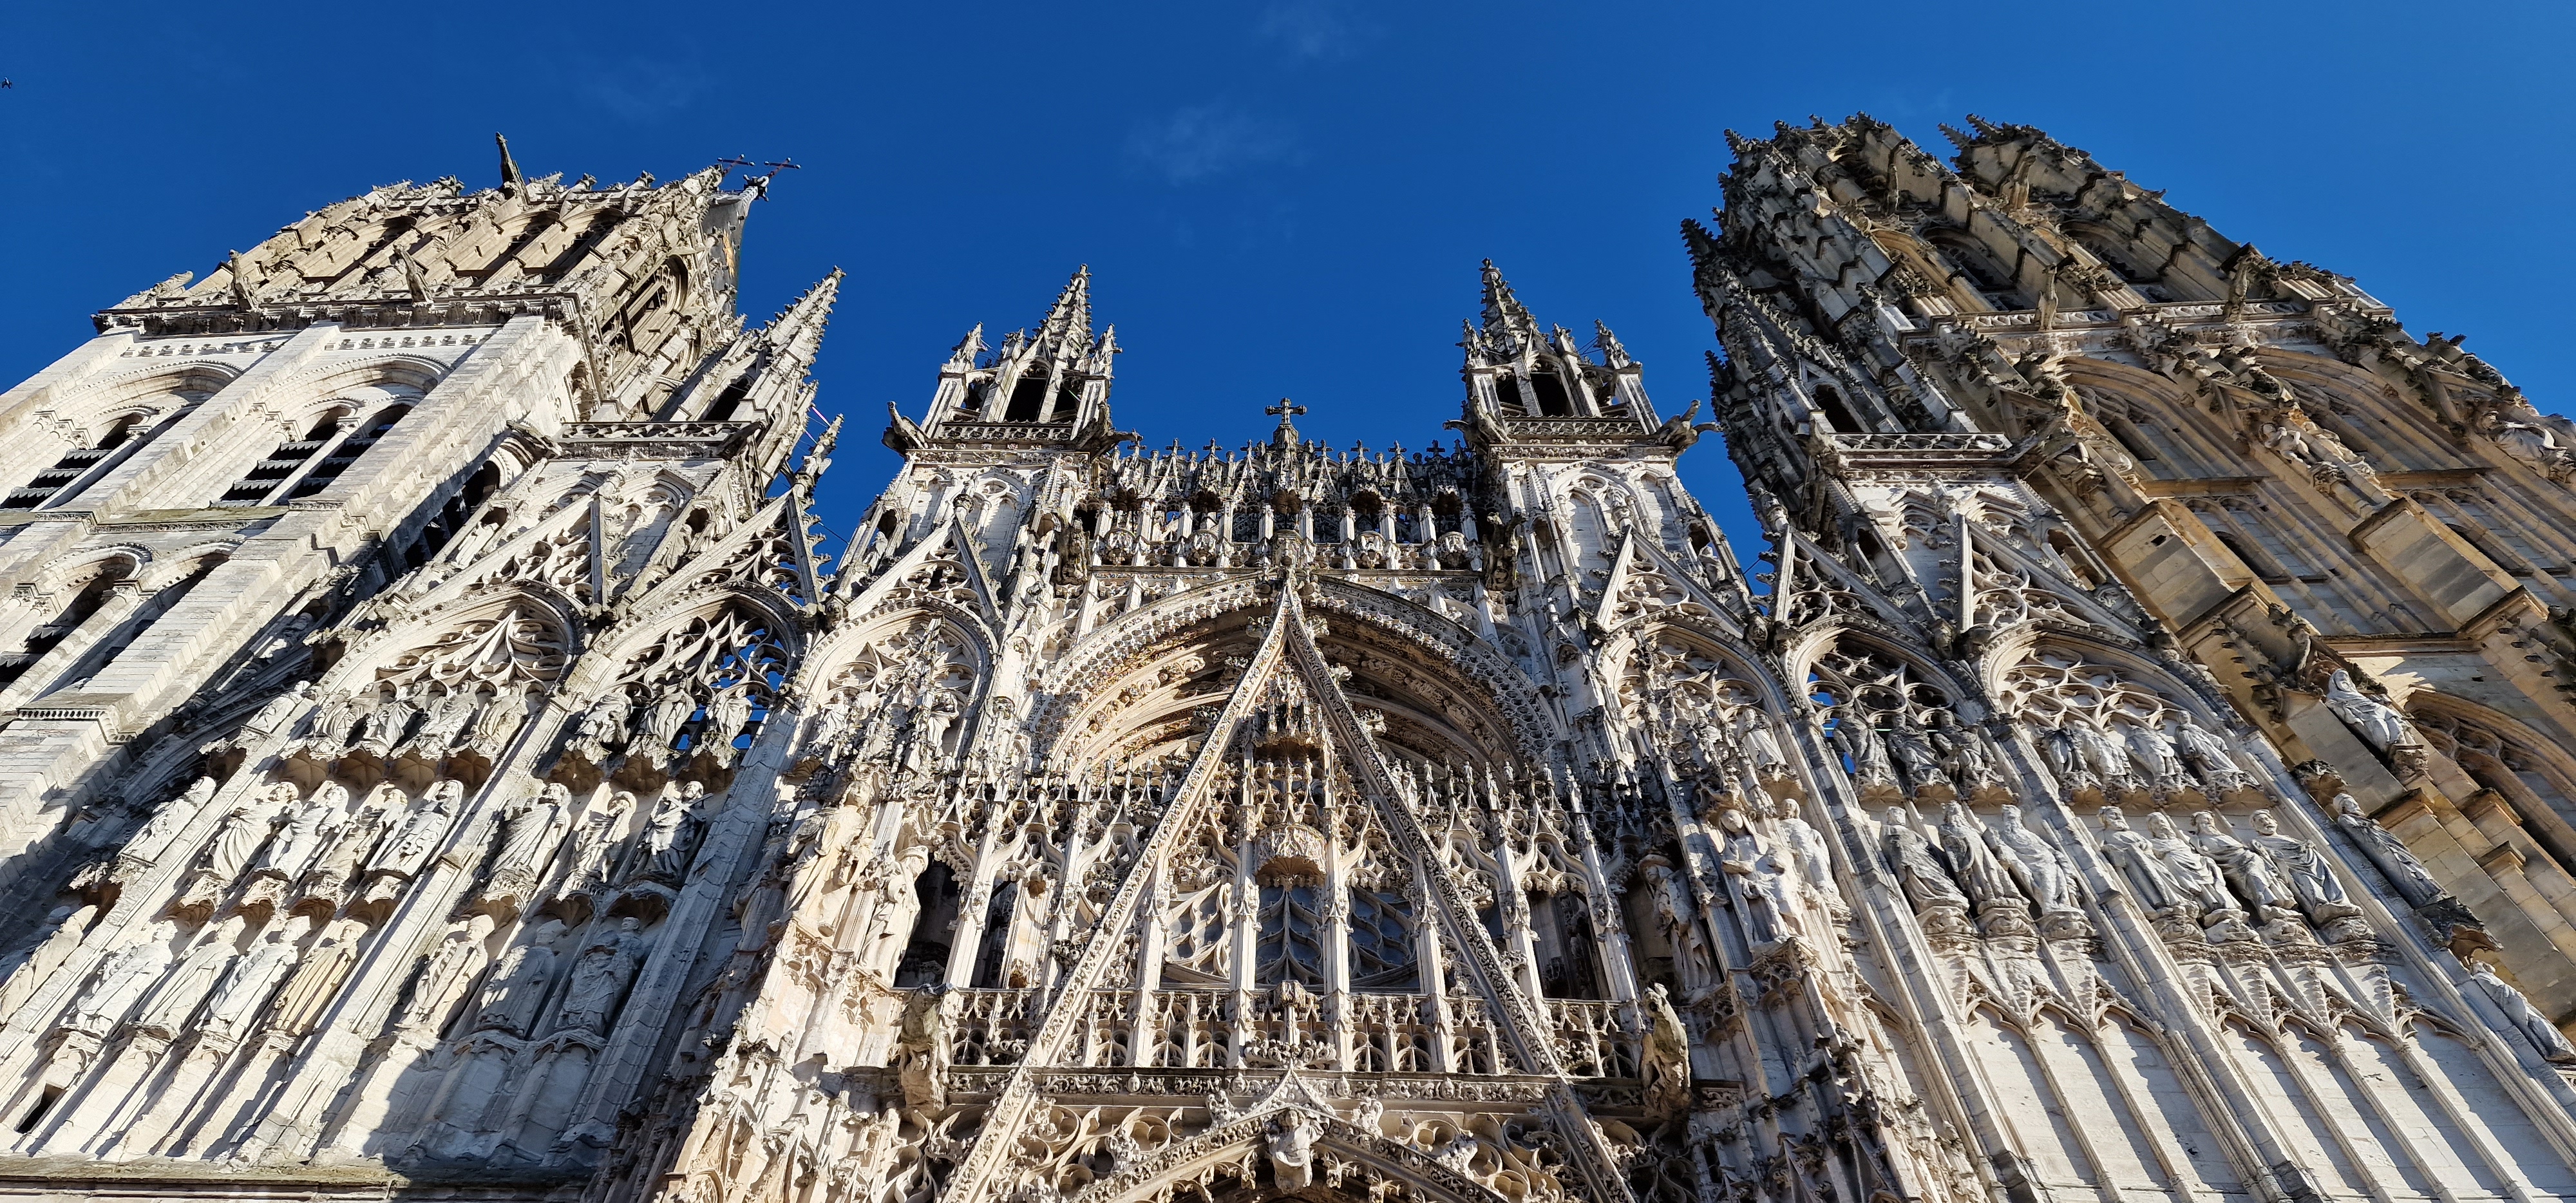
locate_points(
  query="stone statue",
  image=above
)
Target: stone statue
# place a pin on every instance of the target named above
(348, 850)
(148, 844)
(529, 844)
(670, 836)
(2195, 877)
(935, 718)
(2245, 869)
(499, 721)
(2058, 749)
(1918, 866)
(460, 956)
(519, 984)
(2414, 882)
(307, 828)
(1963, 753)
(1914, 754)
(2105, 758)
(2519, 1012)
(2302, 867)
(1862, 746)
(1667, 1068)
(2209, 754)
(594, 843)
(167, 1009)
(2375, 721)
(2153, 751)
(1292, 1151)
(64, 929)
(449, 716)
(1809, 853)
(921, 1049)
(1973, 861)
(2045, 873)
(337, 721)
(831, 722)
(600, 976)
(1753, 734)
(279, 707)
(2136, 859)
(1770, 913)
(601, 727)
(246, 989)
(127, 973)
(384, 726)
(307, 995)
(409, 849)
(728, 712)
(820, 846)
(662, 722)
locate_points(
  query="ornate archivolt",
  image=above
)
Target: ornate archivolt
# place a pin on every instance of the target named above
(895, 691)
(1700, 704)
(687, 698)
(2105, 734)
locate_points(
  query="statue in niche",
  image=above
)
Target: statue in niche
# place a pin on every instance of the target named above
(670, 835)
(2414, 882)
(243, 831)
(122, 979)
(728, 713)
(1667, 1057)
(384, 726)
(1963, 752)
(1860, 744)
(1812, 856)
(2210, 754)
(2302, 866)
(174, 1000)
(2106, 759)
(1981, 874)
(530, 841)
(1770, 913)
(2374, 720)
(600, 977)
(1917, 865)
(820, 850)
(237, 1002)
(308, 994)
(2519, 1012)
(449, 718)
(519, 983)
(279, 707)
(409, 849)
(2042, 871)
(2196, 878)
(2136, 859)
(336, 723)
(831, 722)
(1753, 733)
(349, 847)
(461, 955)
(148, 844)
(921, 1049)
(2154, 753)
(934, 719)
(1915, 754)
(663, 719)
(305, 832)
(1674, 913)
(601, 727)
(1291, 1145)
(64, 929)
(2244, 869)
(594, 844)
(499, 721)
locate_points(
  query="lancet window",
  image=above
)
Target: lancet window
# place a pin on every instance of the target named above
(302, 467)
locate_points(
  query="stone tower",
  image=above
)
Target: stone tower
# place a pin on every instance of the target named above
(446, 760)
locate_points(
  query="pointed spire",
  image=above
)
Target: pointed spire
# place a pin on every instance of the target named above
(968, 348)
(1612, 353)
(1503, 311)
(1702, 244)
(511, 183)
(1068, 321)
(798, 329)
(1956, 137)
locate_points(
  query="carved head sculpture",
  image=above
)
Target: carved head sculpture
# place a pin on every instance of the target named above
(2265, 824)
(2009, 816)
(2349, 807)
(284, 793)
(2160, 825)
(1732, 821)
(2113, 819)
(2208, 823)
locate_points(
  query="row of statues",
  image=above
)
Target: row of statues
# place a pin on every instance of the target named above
(415, 720)
(2004, 874)
(660, 728)
(2140, 753)
(2222, 885)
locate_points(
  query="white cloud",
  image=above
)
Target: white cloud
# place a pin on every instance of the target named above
(1201, 141)
(1317, 29)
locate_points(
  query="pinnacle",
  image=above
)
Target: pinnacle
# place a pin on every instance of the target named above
(1068, 321)
(1502, 309)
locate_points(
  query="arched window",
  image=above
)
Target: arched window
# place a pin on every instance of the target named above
(722, 408)
(42, 638)
(75, 465)
(1028, 398)
(2132, 439)
(2262, 565)
(1837, 414)
(1510, 396)
(1382, 957)
(1553, 401)
(303, 467)
(1976, 266)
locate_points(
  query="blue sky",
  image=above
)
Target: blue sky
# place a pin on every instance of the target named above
(1279, 197)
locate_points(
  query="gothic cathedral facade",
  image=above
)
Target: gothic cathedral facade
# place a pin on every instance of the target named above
(445, 758)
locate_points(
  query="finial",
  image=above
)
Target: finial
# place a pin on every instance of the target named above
(510, 181)
(1286, 435)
